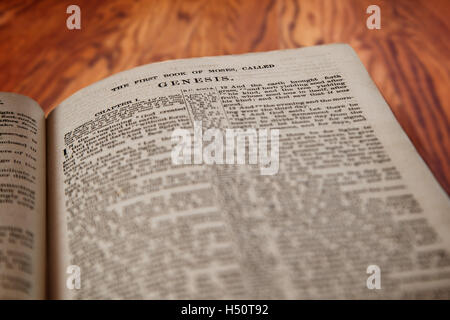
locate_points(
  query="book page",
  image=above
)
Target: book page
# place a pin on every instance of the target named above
(22, 198)
(340, 191)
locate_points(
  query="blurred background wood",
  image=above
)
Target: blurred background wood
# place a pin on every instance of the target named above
(409, 58)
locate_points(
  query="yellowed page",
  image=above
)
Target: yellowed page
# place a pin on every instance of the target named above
(22, 198)
(351, 192)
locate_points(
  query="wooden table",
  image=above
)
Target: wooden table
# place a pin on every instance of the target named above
(409, 58)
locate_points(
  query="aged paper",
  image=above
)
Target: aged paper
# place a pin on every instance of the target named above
(351, 191)
(22, 198)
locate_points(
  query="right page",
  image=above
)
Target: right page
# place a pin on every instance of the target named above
(345, 194)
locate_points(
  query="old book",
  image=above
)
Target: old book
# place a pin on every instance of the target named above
(327, 198)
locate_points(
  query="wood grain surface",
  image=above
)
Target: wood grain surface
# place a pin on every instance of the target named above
(409, 58)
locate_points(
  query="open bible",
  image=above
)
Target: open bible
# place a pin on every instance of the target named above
(93, 205)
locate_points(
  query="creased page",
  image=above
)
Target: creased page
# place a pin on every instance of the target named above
(22, 198)
(326, 199)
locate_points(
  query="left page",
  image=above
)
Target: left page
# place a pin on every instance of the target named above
(22, 198)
